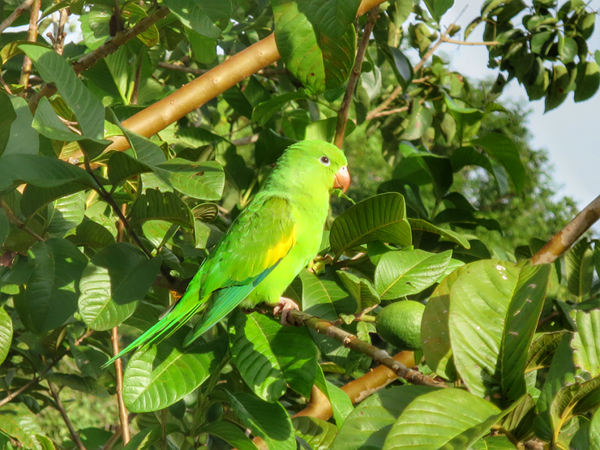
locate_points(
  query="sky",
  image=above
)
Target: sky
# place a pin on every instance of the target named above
(570, 133)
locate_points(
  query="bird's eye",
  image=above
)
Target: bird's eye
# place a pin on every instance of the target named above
(324, 160)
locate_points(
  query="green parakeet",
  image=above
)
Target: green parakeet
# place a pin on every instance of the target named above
(268, 244)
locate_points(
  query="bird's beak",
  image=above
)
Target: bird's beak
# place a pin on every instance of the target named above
(342, 179)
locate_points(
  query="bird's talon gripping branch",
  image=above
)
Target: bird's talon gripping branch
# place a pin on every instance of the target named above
(285, 306)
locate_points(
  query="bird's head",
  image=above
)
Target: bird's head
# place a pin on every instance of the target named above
(320, 163)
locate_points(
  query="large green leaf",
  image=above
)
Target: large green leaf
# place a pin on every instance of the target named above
(270, 421)
(6, 333)
(4, 226)
(409, 272)
(452, 236)
(507, 152)
(339, 400)
(41, 171)
(332, 18)
(147, 437)
(35, 197)
(324, 298)
(91, 234)
(50, 297)
(360, 288)
(367, 427)
(203, 180)
(542, 350)
(265, 110)
(229, 433)
(595, 431)
(23, 139)
(435, 331)
(319, 61)
(21, 426)
(54, 69)
(486, 324)
(113, 282)
(317, 433)
(586, 342)
(160, 375)
(155, 205)
(580, 269)
(7, 117)
(270, 356)
(206, 17)
(66, 213)
(435, 418)
(588, 81)
(378, 218)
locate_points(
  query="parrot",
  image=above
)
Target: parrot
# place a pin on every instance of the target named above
(266, 247)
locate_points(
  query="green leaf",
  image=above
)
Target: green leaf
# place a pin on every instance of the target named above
(47, 123)
(580, 269)
(561, 83)
(402, 67)
(206, 17)
(378, 218)
(542, 350)
(4, 226)
(331, 18)
(265, 110)
(66, 213)
(113, 282)
(270, 356)
(360, 288)
(367, 427)
(160, 375)
(507, 153)
(435, 418)
(340, 402)
(121, 166)
(437, 8)
(521, 322)
(417, 123)
(6, 333)
(22, 140)
(588, 81)
(270, 421)
(468, 120)
(41, 171)
(155, 205)
(469, 156)
(452, 236)
(82, 384)
(146, 151)
(435, 331)
(21, 426)
(149, 436)
(594, 433)
(486, 323)
(7, 117)
(54, 69)
(317, 433)
(205, 49)
(319, 61)
(409, 272)
(229, 433)
(586, 342)
(322, 297)
(50, 297)
(34, 197)
(422, 167)
(91, 234)
(202, 180)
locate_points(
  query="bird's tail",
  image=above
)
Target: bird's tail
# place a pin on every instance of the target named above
(171, 321)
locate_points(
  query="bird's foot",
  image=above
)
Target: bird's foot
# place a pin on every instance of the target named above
(285, 306)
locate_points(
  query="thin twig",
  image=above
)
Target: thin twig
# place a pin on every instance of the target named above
(374, 112)
(390, 112)
(136, 83)
(59, 39)
(376, 354)
(111, 201)
(454, 41)
(15, 14)
(565, 238)
(5, 86)
(123, 416)
(63, 413)
(184, 69)
(41, 376)
(31, 37)
(342, 118)
(14, 219)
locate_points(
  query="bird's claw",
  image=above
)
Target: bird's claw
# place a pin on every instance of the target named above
(285, 306)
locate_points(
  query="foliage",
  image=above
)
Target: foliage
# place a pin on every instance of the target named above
(94, 238)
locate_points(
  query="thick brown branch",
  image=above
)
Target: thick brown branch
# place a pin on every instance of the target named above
(63, 413)
(353, 79)
(374, 112)
(15, 14)
(376, 354)
(565, 238)
(123, 416)
(31, 37)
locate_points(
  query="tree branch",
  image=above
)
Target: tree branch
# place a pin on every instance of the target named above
(63, 413)
(185, 69)
(342, 118)
(15, 14)
(454, 41)
(123, 416)
(14, 219)
(565, 238)
(376, 354)
(31, 37)
(374, 112)
(41, 376)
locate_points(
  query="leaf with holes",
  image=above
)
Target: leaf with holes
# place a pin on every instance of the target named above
(409, 272)
(160, 375)
(378, 218)
(270, 356)
(112, 284)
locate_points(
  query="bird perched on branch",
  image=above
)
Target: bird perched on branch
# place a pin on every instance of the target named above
(268, 244)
